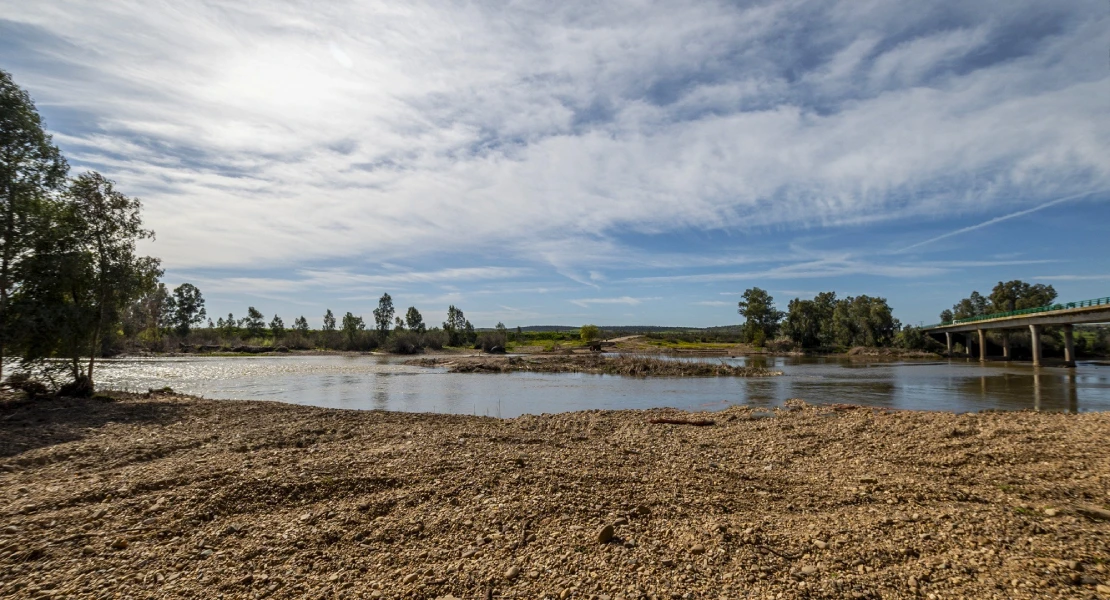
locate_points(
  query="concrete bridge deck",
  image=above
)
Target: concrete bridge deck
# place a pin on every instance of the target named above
(1064, 315)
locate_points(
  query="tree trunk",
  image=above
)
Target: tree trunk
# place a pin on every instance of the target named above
(5, 274)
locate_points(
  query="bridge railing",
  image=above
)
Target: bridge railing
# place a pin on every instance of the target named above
(1026, 311)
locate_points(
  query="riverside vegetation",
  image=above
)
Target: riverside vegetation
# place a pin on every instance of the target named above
(168, 496)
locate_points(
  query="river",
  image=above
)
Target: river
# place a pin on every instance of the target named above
(383, 382)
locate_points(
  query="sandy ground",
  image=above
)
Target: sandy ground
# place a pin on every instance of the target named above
(177, 497)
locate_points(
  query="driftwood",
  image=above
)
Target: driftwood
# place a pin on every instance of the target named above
(694, 422)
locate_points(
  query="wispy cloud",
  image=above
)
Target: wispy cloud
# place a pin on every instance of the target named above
(713, 303)
(586, 302)
(1006, 217)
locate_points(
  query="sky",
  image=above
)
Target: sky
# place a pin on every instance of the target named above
(618, 163)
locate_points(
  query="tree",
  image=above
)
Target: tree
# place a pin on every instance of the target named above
(455, 326)
(329, 327)
(946, 316)
(974, 305)
(254, 322)
(228, 326)
(398, 324)
(31, 167)
(761, 318)
(90, 274)
(351, 326)
(150, 314)
(383, 315)
(187, 308)
(414, 320)
(1018, 295)
(277, 327)
(803, 323)
(589, 333)
(300, 324)
(864, 321)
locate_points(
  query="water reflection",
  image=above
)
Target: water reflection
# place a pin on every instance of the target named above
(378, 382)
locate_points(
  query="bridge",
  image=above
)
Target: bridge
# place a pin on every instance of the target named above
(1065, 315)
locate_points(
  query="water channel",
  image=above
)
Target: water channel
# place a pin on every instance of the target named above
(384, 382)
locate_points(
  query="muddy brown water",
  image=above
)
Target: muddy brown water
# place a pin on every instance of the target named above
(383, 382)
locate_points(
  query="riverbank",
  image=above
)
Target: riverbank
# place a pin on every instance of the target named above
(629, 366)
(178, 497)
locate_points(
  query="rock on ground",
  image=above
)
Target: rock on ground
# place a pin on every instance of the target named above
(178, 497)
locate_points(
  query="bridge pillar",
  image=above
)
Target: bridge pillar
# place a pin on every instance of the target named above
(982, 345)
(948, 342)
(1069, 346)
(967, 344)
(1035, 334)
(1006, 345)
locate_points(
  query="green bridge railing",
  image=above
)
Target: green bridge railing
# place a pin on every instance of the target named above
(1026, 311)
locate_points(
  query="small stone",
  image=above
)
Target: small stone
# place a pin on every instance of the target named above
(808, 570)
(1103, 589)
(306, 516)
(206, 553)
(1051, 512)
(697, 549)
(667, 562)
(120, 544)
(820, 544)
(411, 577)
(868, 480)
(512, 572)
(620, 521)
(88, 550)
(1093, 512)
(605, 534)
(641, 510)
(469, 553)
(912, 582)
(11, 530)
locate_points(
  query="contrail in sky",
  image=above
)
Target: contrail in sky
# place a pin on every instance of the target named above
(1020, 213)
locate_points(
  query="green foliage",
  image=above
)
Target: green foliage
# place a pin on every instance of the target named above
(491, 341)
(300, 324)
(329, 321)
(254, 322)
(277, 327)
(89, 273)
(1018, 295)
(589, 333)
(352, 325)
(383, 315)
(414, 320)
(946, 316)
(31, 167)
(758, 310)
(185, 308)
(436, 338)
(911, 338)
(826, 322)
(457, 328)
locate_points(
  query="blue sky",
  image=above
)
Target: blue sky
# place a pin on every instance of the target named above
(563, 163)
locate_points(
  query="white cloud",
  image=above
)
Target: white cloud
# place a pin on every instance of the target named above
(586, 302)
(392, 130)
(714, 303)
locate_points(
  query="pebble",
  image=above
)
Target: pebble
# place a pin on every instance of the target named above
(411, 577)
(820, 544)
(808, 570)
(469, 553)
(697, 549)
(120, 544)
(605, 535)
(512, 572)
(667, 562)
(1051, 512)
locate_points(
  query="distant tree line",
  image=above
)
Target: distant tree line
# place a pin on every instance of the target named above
(824, 322)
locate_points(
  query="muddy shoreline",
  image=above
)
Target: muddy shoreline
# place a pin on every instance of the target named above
(178, 497)
(629, 366)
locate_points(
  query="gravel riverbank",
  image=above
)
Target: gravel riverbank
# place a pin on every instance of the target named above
(179, 497)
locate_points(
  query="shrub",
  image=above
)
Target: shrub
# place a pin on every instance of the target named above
(491, 342)
(435, 338)
(404, 342)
